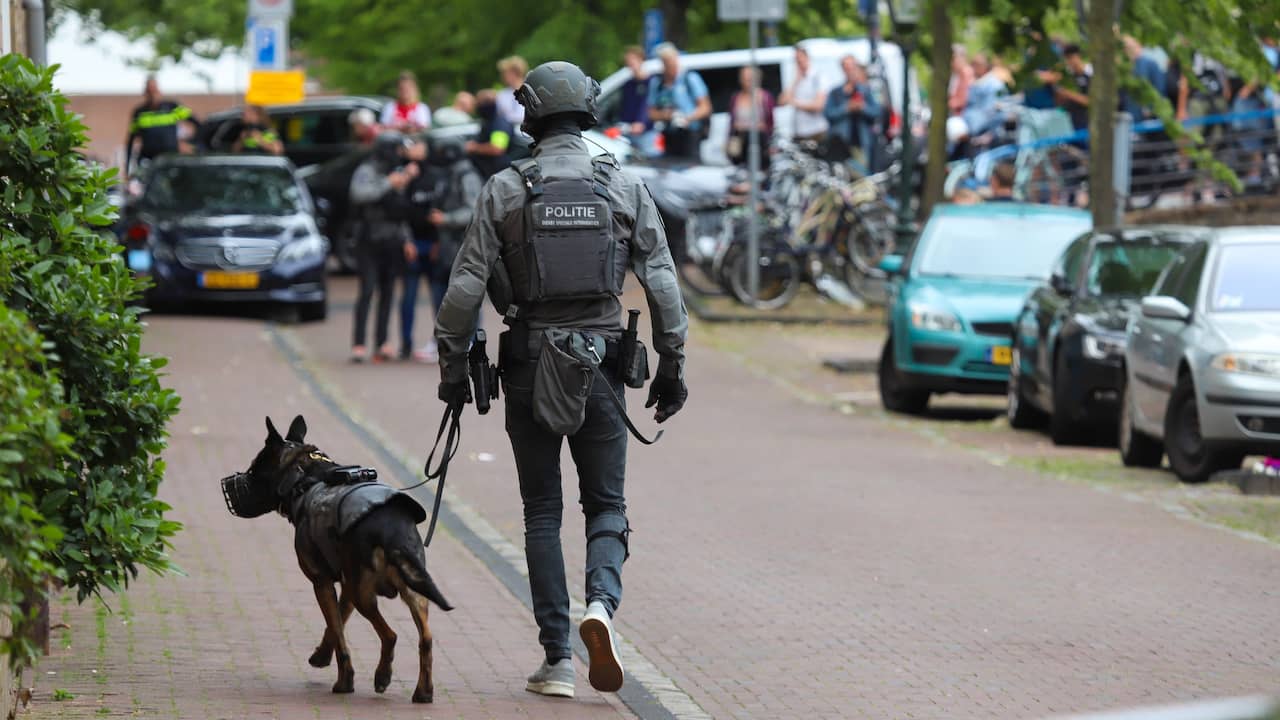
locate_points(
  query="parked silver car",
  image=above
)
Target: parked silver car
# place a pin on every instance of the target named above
(1202, 366)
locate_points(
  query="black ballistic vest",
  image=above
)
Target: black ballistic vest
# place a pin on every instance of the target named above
(568, 251)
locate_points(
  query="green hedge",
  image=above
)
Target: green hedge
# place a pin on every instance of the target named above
(85, 415)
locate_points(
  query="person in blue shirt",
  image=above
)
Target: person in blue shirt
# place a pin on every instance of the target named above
(680, 101)
(851, 111)
(634, 113)
(1145, 67)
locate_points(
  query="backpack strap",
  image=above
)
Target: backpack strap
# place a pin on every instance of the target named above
(602, 174)
(532, 174)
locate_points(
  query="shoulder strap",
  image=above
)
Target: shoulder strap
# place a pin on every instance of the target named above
(602, 174)
(532, 174)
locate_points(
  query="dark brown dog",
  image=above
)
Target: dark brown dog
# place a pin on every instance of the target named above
(362, 536)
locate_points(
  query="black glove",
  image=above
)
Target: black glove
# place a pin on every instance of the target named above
(668, 394)
(455, 393)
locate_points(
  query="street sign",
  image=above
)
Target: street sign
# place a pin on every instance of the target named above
(653, 31)
(737, 10)
(270, 8)
(269, 43)
(276, 87)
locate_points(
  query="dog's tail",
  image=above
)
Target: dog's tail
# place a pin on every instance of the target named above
(412, 564)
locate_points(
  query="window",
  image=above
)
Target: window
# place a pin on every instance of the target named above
(963, 245)
(1182, 278)
(1246, 279)
(314, 128)
(1127, 269)
(724, 82)
(224, 189)
(1072, 260)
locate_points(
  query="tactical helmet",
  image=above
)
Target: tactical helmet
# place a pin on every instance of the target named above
(388, 146)
(555, 88)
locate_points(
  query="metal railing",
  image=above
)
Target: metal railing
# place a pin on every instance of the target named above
(1055, 170)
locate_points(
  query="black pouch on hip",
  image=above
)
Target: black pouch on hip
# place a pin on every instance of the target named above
(562, 380)
(635, 371)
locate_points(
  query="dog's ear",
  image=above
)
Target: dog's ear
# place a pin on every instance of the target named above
(273, 435)
(297, 430)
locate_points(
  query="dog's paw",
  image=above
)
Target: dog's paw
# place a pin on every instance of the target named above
(381, 679)
(422, 697)
(320, 658)
(343, 687)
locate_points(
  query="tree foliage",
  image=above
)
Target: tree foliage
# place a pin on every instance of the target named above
(83, 410)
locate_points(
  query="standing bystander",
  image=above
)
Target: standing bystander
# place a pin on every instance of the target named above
(407, 113)
(679, 99)
(154, 126)
(808, 95)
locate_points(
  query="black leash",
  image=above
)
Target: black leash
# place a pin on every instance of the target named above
(451, 432)
(622, 410)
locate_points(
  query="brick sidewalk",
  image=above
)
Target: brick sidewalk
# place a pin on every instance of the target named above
(230, 639)
(789, 561)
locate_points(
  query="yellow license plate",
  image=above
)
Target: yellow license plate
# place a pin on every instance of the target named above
(1001, 355)
(218, 280)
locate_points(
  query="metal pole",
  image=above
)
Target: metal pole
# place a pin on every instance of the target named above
(908, 158)
(35, 30)
(753, 167)
(1122, 161)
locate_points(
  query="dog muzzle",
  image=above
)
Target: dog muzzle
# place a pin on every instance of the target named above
(246, 498)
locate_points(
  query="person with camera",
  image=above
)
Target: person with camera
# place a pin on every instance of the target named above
(550, 242)
(384, 243)
(680, 101)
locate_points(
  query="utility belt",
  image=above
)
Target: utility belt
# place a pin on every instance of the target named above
(565, 364)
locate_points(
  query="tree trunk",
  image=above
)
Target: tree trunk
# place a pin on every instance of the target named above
(675, 17)
(936, 171)
(1102, 110)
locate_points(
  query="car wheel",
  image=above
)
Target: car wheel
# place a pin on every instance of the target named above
(1137, 449)
(895, 394)
(1063, 430)
(1189, 457)
(1021, 413)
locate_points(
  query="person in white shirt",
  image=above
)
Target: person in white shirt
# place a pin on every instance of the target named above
(808, 95)
(512, 69)
(407, 113)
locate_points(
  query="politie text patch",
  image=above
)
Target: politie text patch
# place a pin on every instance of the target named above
(570, 215)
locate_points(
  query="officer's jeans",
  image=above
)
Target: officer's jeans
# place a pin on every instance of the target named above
(599, 450)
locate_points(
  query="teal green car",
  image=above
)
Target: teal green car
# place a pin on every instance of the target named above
(955, 295)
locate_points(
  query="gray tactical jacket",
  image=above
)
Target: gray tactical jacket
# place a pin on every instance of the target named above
(499, 212)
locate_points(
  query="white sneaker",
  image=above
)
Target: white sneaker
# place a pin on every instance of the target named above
(597, 634)
(553, 680)
(428, 353)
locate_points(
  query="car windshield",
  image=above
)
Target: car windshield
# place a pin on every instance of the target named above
(1003, 247)
(1247, 279)
(1128, 269)
(223, 189)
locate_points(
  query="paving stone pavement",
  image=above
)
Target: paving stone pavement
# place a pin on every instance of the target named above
(230, 637)
(789, 561)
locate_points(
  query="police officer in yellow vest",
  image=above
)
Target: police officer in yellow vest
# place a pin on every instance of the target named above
(154, 126)
(551, 240)
(257, 134)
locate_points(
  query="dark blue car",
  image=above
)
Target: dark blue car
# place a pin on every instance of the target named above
(227, 228)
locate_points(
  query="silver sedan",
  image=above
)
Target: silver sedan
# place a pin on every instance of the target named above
(1202, 366)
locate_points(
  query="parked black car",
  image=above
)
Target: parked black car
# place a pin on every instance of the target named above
(313, 131)
(227, 228)
(1069, 339)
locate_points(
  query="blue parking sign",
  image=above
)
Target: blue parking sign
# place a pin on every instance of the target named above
(265, 46)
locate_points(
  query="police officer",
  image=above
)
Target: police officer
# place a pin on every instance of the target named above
(154, 125)
(383, 243)
(551, 240)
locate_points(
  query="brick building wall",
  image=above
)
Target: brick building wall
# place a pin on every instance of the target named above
(107, 117)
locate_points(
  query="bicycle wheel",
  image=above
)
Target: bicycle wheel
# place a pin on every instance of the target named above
(779, 278)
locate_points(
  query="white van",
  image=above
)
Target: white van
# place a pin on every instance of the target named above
(721, 70)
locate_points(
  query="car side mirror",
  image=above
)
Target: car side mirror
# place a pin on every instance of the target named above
(1061, 285)
(1163, 307)
(891, 264)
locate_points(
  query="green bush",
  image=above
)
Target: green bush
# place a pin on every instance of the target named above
(101, 433)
